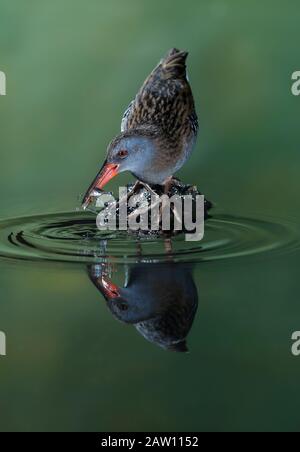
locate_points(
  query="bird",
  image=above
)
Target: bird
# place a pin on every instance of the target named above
(160, 301)
(158, 129)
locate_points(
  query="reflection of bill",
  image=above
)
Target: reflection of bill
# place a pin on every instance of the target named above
(2, 84)
(2, 344)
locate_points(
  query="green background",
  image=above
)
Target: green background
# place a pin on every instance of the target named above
(72, 67)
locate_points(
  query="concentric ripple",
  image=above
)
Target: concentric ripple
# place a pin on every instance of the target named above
(73, 237)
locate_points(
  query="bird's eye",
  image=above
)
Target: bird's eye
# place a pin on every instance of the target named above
(122, 153)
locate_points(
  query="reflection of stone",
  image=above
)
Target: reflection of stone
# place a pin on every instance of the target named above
(145, 212)
(159, 299)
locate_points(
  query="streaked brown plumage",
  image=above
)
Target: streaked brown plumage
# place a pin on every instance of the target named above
(165, 100)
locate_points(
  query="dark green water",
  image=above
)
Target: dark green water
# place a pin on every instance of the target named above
(78, 362)
(71, 363)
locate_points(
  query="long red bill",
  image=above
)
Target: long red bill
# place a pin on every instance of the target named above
(107, 172)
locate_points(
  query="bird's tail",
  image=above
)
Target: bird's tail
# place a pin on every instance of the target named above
(173, 64)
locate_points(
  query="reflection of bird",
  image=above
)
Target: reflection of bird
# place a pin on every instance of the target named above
(158, 129)
(159, 299)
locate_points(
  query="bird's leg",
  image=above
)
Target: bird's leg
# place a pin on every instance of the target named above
(133, 188)
(128, 194)
(168, 246)
(169, 182)
(142, 210)
(139, 249)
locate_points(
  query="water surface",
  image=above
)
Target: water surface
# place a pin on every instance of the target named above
(87, 312)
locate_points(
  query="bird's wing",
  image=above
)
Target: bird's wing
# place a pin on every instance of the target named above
(193, 121)
(165, 99)
(127, 113)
